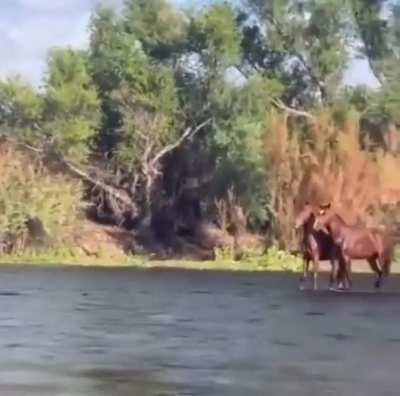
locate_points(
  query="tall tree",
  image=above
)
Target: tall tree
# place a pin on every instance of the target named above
(377, 34)
(71, 104)
(21, 109)
(301, 42)
(372, 32)
(159, 26)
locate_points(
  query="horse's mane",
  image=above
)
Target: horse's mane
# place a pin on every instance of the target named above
(340, 218)
(311, 219)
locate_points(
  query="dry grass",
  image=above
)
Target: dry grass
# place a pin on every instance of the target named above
(29, 191)
(325, 162)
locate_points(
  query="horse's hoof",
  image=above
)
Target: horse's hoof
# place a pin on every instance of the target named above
(332, 288)
(301, 287)
(341, 288)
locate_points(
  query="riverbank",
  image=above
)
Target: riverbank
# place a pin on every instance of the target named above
(146, 263)
(254, 264)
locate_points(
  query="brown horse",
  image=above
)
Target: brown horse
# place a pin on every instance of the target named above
(355, 242)
(318, 245)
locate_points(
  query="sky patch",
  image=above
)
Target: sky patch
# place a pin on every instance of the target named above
(29, 28)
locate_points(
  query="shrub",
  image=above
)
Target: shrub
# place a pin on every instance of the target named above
(225, 253)
(28, 191)
(278, 259)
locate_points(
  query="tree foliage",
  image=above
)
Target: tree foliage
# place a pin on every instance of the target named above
(160, 28)
(21, 108)
(71, 104)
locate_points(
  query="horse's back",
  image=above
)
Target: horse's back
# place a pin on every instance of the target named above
(365, 243)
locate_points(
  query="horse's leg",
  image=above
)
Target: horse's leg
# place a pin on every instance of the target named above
(374, 265)
(384, 263)
(387, 263)
(347, 273)
(306, 265)
(315, 271)
(335, 272)
(344, 279)
(340, 276)
(341, 272)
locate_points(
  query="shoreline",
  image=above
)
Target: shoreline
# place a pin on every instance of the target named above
(358, 266)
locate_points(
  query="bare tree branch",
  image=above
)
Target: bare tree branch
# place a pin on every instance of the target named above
(298, 113)
(25, 145)
(114, 192)
(189, 132)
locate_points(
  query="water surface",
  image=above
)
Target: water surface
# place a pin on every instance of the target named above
(91, 331)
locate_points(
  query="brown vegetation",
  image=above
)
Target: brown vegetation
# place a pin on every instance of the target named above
(35, 203)
(324, 161)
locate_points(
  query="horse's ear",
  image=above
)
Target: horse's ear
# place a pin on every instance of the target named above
(325, 206)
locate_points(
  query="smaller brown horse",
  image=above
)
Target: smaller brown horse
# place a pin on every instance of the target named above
(356, 242)
(318, 245)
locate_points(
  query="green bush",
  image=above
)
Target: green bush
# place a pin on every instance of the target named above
(225, 253)
(29, 191)
(277, 259)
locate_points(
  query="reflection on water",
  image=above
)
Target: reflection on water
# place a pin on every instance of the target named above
(44, 380)
(128, 332)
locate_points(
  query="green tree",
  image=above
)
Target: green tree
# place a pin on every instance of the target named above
(303, 43)
(20, 109)
(115, 54)
(372, 31)
(139, 97)
(377, 39)
(115, 57)
(159, 26)
(237, 143)
(151, 120)
(71, 104)
(215, 36)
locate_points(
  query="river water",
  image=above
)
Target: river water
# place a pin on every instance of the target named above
(93, 331)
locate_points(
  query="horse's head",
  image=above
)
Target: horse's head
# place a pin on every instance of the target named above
(306, 214)
(324, 217)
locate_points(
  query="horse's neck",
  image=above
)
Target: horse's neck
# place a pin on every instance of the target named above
(338, 227)
(309, 226)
